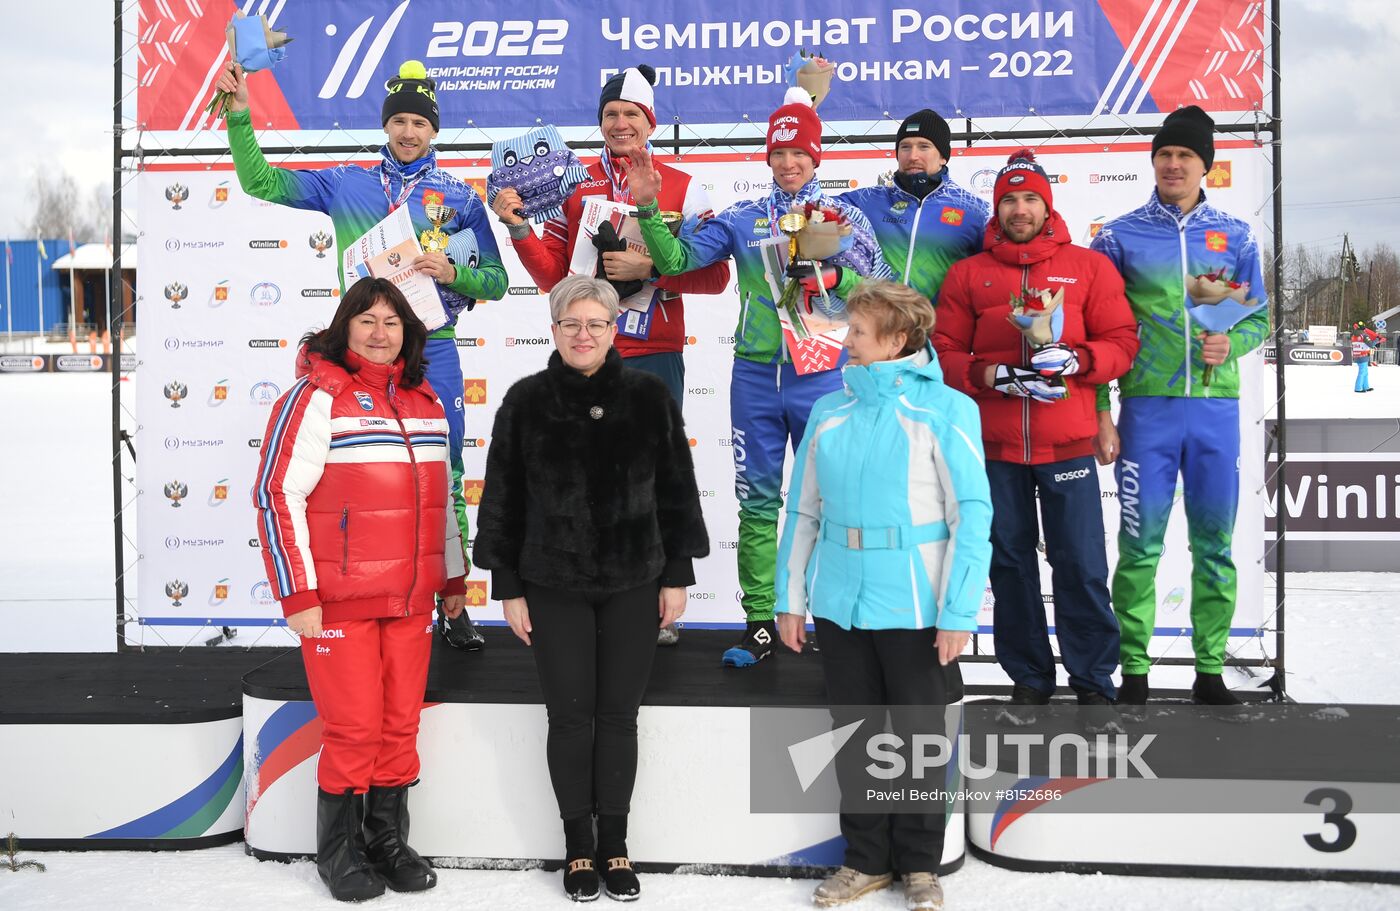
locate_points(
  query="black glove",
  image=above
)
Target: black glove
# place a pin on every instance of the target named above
(607, 241)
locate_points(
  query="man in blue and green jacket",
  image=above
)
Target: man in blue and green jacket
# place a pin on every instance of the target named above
(923, 220)
(769, 400)
(1173, 422)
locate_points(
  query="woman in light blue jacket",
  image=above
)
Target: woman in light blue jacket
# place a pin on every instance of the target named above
(887, 545)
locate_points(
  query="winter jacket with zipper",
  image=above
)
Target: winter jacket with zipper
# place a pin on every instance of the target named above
(921, 239)
(351, 494)
(589, 485)
(738, 232)
(356, 200)
(546, 257)
(892, 463)
(974, 332)
(1156, 248)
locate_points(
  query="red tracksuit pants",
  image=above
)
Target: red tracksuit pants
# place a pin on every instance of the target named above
(367, 679)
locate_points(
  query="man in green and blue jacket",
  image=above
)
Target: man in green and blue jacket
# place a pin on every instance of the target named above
(1172, 421)
(923, 221)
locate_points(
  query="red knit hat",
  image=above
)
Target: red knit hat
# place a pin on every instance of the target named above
(795, 125)
(1022, 172)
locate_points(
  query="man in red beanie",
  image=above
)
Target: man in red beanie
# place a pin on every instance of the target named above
(1038, 428)
(769, 399)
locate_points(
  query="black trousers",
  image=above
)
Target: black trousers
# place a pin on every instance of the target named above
(594, 655)
(898, 668)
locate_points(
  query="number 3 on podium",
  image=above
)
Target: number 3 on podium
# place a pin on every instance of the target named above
(1336, 817)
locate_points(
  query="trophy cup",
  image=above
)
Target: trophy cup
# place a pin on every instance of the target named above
(792, 224)
(672, 221)
(435, 240)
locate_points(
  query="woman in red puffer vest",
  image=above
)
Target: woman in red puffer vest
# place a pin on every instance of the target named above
(358, 538)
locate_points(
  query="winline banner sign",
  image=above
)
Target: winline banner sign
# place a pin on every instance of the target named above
(500, 63)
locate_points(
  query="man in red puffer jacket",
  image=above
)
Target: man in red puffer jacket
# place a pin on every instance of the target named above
(1038, 429)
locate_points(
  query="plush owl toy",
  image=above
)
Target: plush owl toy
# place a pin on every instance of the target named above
(538, 166)
(462, 249)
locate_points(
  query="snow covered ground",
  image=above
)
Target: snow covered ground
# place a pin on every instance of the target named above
(223, 879)
(55, 595)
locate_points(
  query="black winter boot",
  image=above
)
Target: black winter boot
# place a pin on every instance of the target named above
(386, 841)
(1210, 689)
(340, 847)
(1132, 697)
(619, 880)
(460, 633)
(580, 876)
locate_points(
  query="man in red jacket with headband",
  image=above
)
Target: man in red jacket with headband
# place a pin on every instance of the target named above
(1038, 427)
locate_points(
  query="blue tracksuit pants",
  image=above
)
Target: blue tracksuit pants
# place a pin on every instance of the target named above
(1071, 516)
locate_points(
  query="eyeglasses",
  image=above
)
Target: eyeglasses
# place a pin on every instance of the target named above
(596, 327)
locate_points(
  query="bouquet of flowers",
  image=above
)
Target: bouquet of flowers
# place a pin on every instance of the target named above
(254, 45)
(1218, 304)
(824, 234)
(815, 232)
(1038, 316)
(812, 73)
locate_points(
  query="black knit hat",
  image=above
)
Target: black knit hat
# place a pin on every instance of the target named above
(1191, 128)
(411, 92)
(929, 125)
(632, 84)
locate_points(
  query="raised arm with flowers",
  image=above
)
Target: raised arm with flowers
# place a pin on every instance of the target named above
(771, 395)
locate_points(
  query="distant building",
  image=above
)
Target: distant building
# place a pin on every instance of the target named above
(86, 271)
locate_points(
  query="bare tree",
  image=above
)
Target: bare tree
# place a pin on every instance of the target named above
(1383, 279)
(60, 206)
(100, 213)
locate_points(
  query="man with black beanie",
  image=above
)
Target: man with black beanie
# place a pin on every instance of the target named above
(923, 221)
(1173, 421)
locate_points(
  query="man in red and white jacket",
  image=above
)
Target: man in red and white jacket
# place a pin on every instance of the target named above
(1038, 428)
(626, 117)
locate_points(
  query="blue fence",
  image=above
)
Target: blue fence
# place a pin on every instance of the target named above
(23, 273)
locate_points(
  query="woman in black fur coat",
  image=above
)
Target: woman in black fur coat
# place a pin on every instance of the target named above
(589, 520)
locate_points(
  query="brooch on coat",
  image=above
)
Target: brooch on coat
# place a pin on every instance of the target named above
(596, 412)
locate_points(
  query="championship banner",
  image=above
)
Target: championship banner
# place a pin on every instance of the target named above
(715, 61)
(229, 284)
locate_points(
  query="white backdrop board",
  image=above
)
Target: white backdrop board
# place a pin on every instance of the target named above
(229, 284)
